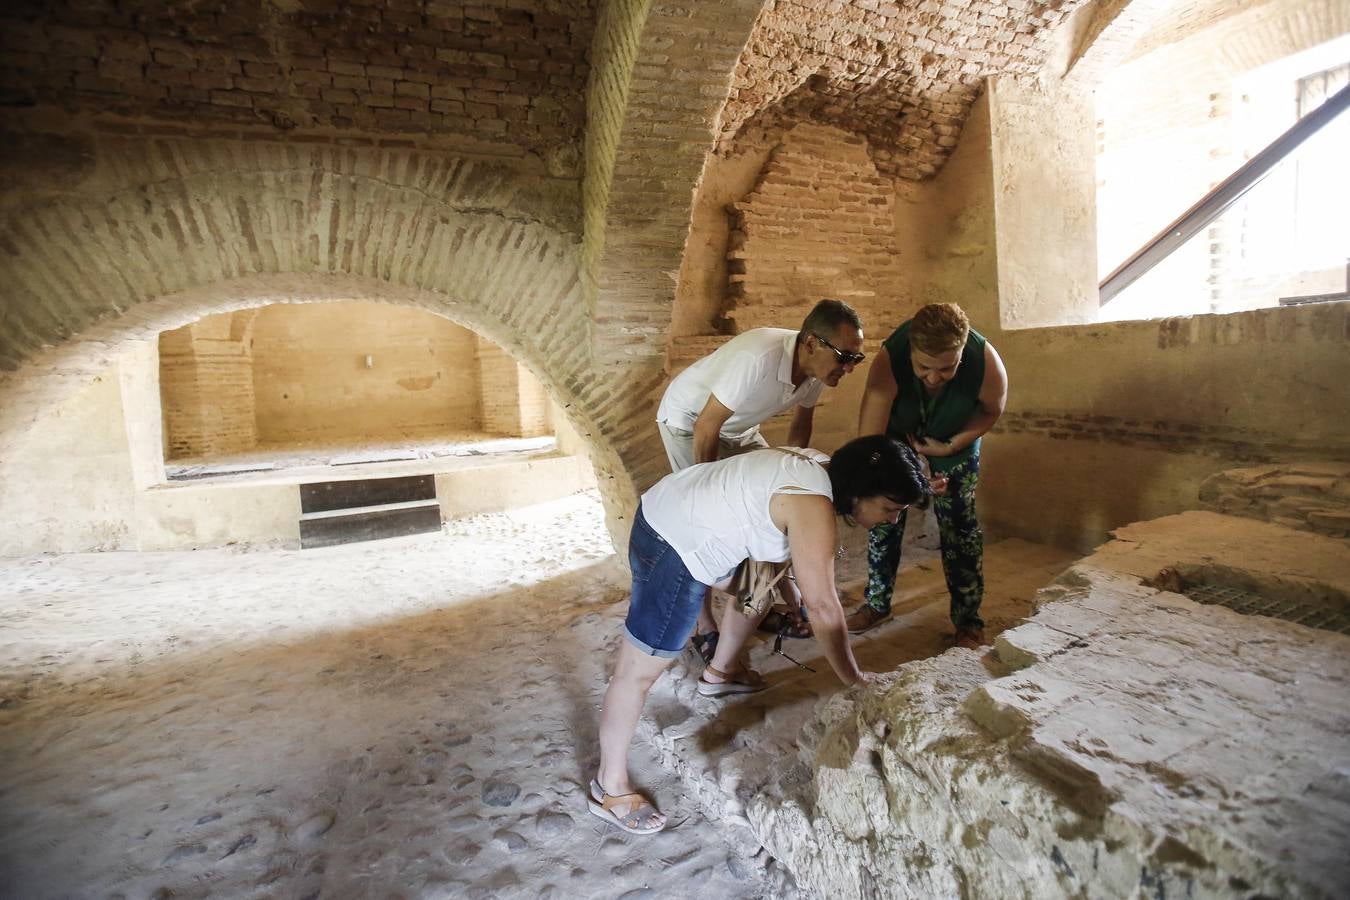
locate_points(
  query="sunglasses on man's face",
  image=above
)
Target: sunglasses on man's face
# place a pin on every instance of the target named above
(844, 357)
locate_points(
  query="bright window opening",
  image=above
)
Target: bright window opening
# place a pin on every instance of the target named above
(1176, 121)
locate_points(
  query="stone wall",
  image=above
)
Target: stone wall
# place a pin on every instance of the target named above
(1113, 423)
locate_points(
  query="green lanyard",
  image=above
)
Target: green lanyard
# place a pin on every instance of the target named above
(927, 406)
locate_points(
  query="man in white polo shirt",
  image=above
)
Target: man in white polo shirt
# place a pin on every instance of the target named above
(714, 408)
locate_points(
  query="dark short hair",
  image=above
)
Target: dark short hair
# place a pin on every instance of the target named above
(877, 466)
(826, 318)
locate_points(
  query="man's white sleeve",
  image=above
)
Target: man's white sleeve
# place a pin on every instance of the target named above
(736, 385)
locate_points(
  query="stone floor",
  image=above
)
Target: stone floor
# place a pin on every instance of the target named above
(416, 718)
(405, 718)
(408, 718)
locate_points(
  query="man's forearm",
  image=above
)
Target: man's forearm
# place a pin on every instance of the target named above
(798, 436)
(706, 445)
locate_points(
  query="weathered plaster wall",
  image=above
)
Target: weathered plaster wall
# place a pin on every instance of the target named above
(1109, 424)
(69, 486)
(497, 488)
(1044, 203)
(311, 381)
(1114, 423)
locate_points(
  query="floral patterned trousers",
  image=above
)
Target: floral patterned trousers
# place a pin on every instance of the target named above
(962, 549)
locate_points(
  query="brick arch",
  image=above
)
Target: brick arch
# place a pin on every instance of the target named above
(84, 272)
(904, 74)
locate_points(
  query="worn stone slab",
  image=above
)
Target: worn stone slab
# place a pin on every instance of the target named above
(1125, 741)
(1311, 495)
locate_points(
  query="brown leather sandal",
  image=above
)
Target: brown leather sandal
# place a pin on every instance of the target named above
(625, 811)
(742, 681)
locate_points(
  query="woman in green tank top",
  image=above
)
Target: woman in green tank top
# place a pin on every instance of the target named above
(939, 385)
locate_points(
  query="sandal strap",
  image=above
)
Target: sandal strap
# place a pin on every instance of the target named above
(635, 804)
(743, 674)
(718, 672)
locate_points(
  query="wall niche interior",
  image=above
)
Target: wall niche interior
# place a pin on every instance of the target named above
(341, 374)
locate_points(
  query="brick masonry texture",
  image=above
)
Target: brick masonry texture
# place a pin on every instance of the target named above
(512, 401)
(1222, 442)
(1184, 19)
(820, 223)
(902, 74)
(654, 147)
(187, 213)
(206, 387)
(500, 71)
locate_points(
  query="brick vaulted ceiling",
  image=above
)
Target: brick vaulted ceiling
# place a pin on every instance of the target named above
(902, 74)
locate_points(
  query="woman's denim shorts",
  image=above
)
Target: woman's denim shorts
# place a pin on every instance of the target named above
(666, 597)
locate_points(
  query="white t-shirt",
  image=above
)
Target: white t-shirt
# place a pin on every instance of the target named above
(751, 375)
(716, 514)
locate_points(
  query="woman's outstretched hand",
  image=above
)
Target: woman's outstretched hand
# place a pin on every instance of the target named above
(865, 679)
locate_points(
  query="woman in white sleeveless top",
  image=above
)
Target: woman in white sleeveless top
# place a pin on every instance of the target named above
(692, 529)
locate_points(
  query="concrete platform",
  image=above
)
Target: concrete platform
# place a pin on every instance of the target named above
(254, 500)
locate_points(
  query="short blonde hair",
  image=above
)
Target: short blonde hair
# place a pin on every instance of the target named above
(939, 328)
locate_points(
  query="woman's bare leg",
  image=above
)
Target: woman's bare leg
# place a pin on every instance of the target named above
(706, 622)
(736, 630)
(634, 674)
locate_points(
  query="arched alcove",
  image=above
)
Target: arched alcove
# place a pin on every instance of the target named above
(38, 393)
(286, 383)
(155, 234)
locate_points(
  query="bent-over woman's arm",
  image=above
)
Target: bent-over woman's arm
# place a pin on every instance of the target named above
(809, 522)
